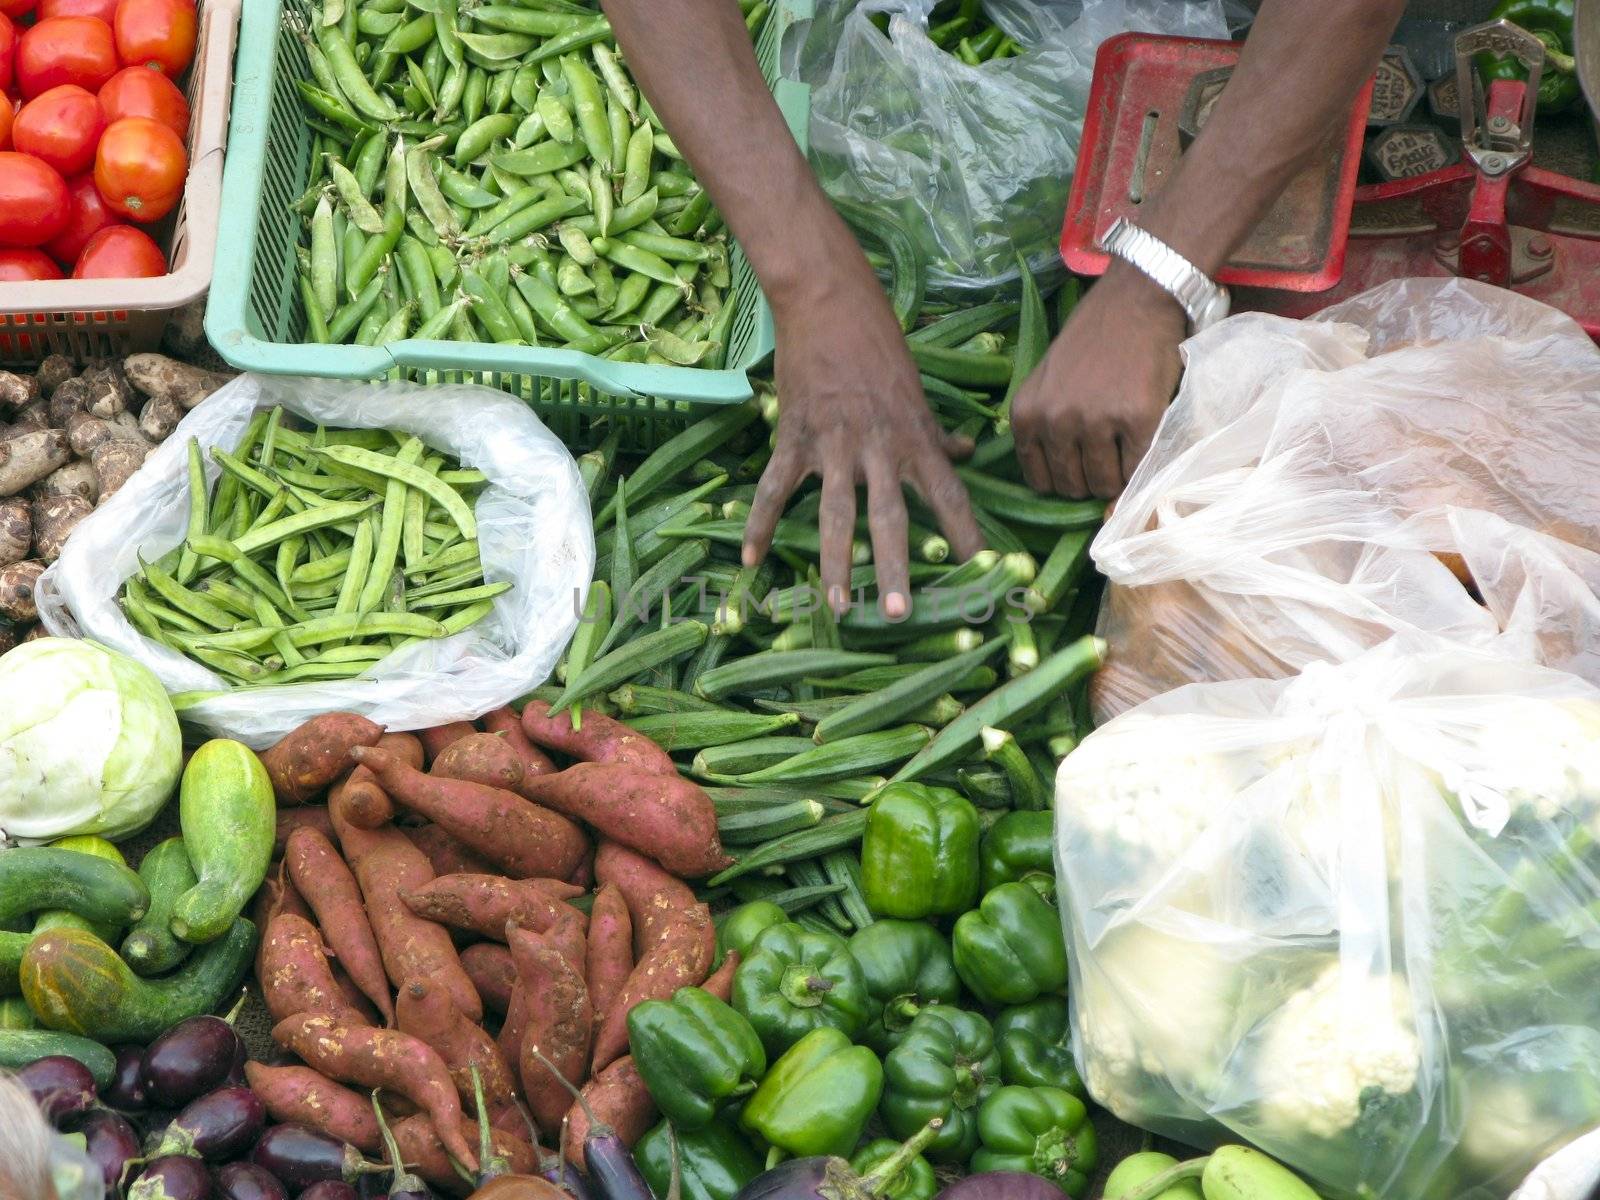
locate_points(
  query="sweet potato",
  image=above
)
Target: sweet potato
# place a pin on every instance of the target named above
(309, 759)
(381, 1058)
(667, 817)
(492, 972)
(508, 725)
(512, 1028)
(618, 1097)
(600, 740)
(720, 982)
(436, 740)
(520, 837)
(654, 897)
(447, 854)
(422, 1151)
(480, 758)
(610, 957)
(275, 895)
(385, 864)
(425, 1011)
(289, 819)
(361, 798)
(353, 996)
(559, 1022)
(295, 977)
(327, 885)
(301, 1096)
(485, 903)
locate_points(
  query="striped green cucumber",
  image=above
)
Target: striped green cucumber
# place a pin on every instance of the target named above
(875, 710)
(60, 918)
(773, 820)
(766, 669)
(736, 759)
(15, 1014)
(228, 816)
(1009, 704)
(19, 1047)
(697, 730)
(150, 948)
(39, 878)
(841, 759)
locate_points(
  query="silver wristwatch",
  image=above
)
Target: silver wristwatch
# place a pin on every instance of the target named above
(1204, 300)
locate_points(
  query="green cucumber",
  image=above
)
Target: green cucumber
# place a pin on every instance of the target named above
(19, 1047)
(62, 919)
(15, 1014)
(228, 816)
(150, 948)
(38, 878)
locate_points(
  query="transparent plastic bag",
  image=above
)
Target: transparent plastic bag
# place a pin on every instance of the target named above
(976, 160)
(1320, 485)
(1352, 917)
(534, 529)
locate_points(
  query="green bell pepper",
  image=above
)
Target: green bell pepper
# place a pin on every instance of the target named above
(1551, 22)
(795, 980)
(818, 1097)
(695, 1054)
(744, 925)
(1009, 950)
(907, 966)
(945, 1066)
(913, 1181)
(1045, 1131)
(713, 1162)
(1019, 844)
(919, 855)
(1035, 1042)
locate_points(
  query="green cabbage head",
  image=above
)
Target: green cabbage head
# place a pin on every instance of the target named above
(89, 743)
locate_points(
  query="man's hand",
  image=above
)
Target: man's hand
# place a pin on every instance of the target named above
(853, 412)
(1086, 416)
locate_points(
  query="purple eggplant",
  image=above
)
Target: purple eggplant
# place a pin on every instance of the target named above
(300, 1156)
(60, 1086)
(176, 1177)
(403, 1185)
(126, 1090)
(110, 1143)
(246, 1181)
(217, 1126)
(565, 1176)
(834, 1179)
(189, 1060)
(1002, 1185)
(330, 1189)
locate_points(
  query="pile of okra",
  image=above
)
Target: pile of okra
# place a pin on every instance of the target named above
(793, 717)
(492, 174)
(317, 554)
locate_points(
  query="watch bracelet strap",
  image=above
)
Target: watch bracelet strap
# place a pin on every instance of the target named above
(1169, 270)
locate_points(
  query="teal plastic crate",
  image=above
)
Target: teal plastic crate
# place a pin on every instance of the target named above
(256, 321)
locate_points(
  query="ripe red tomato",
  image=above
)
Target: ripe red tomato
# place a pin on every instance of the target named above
(16, 9)
(33, 200)
(8, 52)
(120, 252)
(156, 33)
(7, 116)
(139, 168)
(23, 264)
(88, 216)
(61, 126)
(103, 10)
(61, 50)
(141, 92)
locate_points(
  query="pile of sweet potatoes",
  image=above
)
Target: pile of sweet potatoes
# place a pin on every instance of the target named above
(446, 902)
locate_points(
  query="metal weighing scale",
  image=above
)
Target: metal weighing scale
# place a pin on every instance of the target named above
(1492, 216)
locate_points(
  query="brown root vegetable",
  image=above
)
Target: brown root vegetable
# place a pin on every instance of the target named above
(610, 958)
(156, 375)
(54, 519)
(301, 1096)
(10, 635)
(115, 462)
(559, 1022)
(109, 392)
(654, 897)
(276, 895)
(437, 740)
(29, 456)
(447, 854)
(492, 972)
(480, 758)
(485, 903)
(510, 832)
(17, 584)
(665, 816)
(508, 725)
(308, 759)
(425, 1011)
(35, 632)
(381, 1058)
(295, 977)
(520, 1187)
(601, 739)
(354, 996)
(422, 1151)
(30, 418)
(363, 802)
(617, 1097)
(385, 865)
(16, 530)
(185, 333)
(290, 819)
(720, 982)
(327, 885)
(74, 479)
(159, 418)
(19, 390)
(72, 396)
(84, 433)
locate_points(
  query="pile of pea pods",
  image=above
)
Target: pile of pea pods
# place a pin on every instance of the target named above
(492, 174)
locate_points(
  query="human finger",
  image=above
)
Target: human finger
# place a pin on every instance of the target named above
(941, 490)
(886, 518)
(837, 523)
(777, 484)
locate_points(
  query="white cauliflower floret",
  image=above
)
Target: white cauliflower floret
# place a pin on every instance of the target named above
(1329, 1044)
(1536, 754)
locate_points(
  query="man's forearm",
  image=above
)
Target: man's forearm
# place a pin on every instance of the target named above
(1299, 71)
(694, 60)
